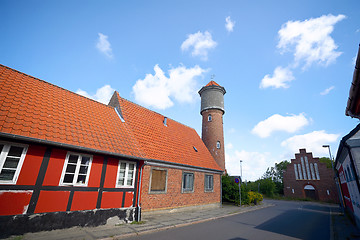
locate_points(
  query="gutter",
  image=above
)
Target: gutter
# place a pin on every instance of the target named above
(65, 145)
(354, 90)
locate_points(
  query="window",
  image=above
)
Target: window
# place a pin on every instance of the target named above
(218, 145)
(76, 169)
(126, 174)
(188, 182)
(209, 183)
(209, 118)
(158, 180)
(11, 159)
(350, 175)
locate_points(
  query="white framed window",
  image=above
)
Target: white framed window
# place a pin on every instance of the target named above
(126, 174)
(12, 156)
(188, 182)
(209, 118)
(76, 169)
(218, 145)
(209, 183)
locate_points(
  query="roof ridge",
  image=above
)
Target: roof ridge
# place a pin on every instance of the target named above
(155, 112)
(12, 69)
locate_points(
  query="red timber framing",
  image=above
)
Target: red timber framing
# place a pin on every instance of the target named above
(38, 188)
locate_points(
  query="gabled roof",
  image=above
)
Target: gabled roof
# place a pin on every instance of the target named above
(32, 109)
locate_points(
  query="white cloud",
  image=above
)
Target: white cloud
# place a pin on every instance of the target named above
(232, 130)
(313, 142)
(229, 146)
(229, 25)
(102, 94)
(158, 90)
(310, 40)
(277, 122)
(199, 43)
(104, 46)
(254, 164)
(281, 77)
(327, 91)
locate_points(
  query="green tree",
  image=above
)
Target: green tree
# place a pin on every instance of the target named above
(280, 168)
(276, 175)
(266, 186)
(230, 190)
(327, 161)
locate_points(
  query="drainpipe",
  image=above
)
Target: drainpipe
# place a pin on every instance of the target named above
(139, 192)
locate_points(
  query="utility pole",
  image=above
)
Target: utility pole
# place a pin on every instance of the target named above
(240, 181)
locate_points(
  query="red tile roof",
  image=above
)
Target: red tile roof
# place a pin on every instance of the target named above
(30, 107)
(212, 83)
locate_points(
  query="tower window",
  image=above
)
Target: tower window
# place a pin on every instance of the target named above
(218, 145)
(209, 118)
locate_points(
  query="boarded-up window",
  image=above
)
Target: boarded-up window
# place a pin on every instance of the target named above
(158, 180)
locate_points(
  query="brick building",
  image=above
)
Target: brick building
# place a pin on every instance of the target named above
(307, 177)
(66, 160)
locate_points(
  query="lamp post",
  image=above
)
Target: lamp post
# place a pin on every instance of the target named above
(336, 179)
(331, 159)
(240, 181)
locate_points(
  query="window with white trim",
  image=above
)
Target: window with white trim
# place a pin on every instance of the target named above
(11, 159)
(188, 182)
(76, 169)
(126, 174)
(209, 118)
(209, 183)
(218, 145)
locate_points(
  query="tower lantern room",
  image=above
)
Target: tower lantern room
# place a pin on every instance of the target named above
(212, 111)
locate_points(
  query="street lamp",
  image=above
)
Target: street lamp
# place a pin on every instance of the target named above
(240, 181)
(331, 159)
(241, 169)
(336, 178)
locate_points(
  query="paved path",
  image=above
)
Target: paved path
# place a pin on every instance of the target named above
(342, 228)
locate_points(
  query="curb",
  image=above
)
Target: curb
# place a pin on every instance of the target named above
(182, 224)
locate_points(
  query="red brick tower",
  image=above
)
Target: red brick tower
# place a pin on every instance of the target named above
(212, 111)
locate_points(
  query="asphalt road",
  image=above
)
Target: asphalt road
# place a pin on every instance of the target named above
(286, 220)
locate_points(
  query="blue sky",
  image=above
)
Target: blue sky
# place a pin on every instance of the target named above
(287, 66)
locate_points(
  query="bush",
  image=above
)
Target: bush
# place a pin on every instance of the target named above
(255, 197)
(230, 191)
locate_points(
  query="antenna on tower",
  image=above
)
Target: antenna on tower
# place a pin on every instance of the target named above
(212, 77)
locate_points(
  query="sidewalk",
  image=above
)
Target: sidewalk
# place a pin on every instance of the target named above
(341, 226)
(152, 221)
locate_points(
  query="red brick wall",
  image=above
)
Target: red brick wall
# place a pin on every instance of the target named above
(212, 132)
(173, 197)
(321, 186)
